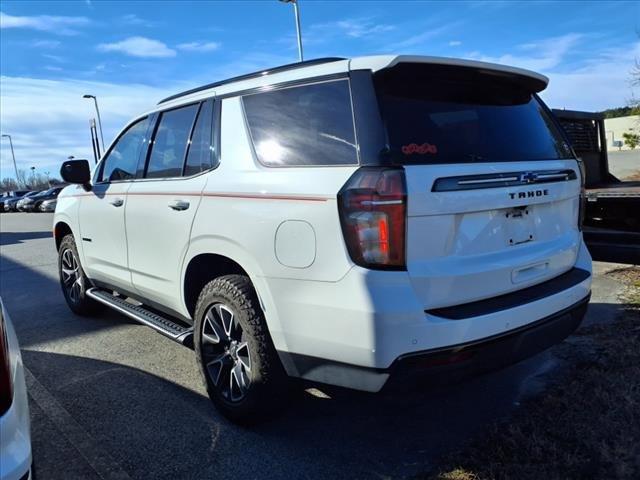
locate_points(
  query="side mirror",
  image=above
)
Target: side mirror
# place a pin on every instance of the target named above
(77, 171)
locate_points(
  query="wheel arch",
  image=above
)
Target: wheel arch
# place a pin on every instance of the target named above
(60, 230)
(210, 258)
(203, 268)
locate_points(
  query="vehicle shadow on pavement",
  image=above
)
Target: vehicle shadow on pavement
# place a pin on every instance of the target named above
(139, 397)
(154, 428)
(10, 238)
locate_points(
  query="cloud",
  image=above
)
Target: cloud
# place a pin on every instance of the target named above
(53, 68)
(604, 81)
(46, 44)
(139, 47)
(45, 23)
(55, 58)
(47, 128)
(455, 43)
(419, 39)
(360, 28)
(198, 46)
(133, 19)
(601, 81)
(540, 56)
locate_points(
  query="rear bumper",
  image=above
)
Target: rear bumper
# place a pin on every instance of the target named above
(447, 364)
(354, 332)
(488, 354)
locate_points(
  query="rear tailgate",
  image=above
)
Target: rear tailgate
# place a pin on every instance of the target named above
(493, 188)
(470, 244)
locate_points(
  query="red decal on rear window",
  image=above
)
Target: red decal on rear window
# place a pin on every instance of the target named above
(420, 149)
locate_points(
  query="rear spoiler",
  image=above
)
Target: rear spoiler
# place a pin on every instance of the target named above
(535, 82)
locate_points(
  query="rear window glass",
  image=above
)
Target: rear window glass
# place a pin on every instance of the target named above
(303, 126)
(462, 116)
(200, 153)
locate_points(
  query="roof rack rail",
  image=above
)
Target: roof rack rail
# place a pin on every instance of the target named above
(260, 73)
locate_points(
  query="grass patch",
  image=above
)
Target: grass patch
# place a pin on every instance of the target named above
(586, 426)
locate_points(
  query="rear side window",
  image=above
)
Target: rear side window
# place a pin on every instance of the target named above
(122, 160)
(170, 142)
(303, 126)
(200, 156)
(460, 115)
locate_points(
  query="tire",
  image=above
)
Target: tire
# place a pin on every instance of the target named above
(73, 281)
(245, 380)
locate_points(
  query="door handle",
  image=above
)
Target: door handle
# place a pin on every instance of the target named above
(178, 204)
(117, 202)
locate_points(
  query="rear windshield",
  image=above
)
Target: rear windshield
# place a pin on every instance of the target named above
(436, 114)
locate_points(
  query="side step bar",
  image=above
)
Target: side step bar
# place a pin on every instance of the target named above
(166, 327)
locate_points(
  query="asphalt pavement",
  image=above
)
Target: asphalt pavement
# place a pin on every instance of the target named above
(111, 399)
(624, 163)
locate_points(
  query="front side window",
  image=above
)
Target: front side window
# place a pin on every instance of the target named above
(303, 126)
(170, 142)
(122, 160)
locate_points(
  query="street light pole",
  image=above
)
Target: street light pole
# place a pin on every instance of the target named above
(95, 101)
(13, 155)
(296, 11)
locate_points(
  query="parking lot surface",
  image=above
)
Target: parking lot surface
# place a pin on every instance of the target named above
(624, 164)
(113, 399)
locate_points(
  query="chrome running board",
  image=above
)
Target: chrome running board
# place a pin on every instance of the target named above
(168, 328)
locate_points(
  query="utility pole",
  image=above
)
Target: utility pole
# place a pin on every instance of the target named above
(296, 10)
(13, 155)
(95, 101)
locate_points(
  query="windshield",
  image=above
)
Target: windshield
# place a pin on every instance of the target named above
(436, 114)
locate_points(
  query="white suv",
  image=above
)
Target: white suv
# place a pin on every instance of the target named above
(343, 221)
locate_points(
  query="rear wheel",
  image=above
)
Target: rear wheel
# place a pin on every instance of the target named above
(73, 280)
(240, 366)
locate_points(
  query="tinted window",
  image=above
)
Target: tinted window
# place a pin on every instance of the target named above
(170, 142)
(307, 125)
(201, 155)
(122, 160)
(459, 115)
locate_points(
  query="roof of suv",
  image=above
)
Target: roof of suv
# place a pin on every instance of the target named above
(332, 65)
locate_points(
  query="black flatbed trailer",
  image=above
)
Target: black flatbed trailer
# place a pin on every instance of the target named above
(612, 207)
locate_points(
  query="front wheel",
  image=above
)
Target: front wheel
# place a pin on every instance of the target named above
(73, 280)
(241, 369)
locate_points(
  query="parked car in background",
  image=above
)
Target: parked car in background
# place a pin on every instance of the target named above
(48, 205)
(11, 205)
(32, 204)
(355, 222)
(15, 432)
(10, 196)
(26, 199)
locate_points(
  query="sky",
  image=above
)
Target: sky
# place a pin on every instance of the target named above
(132, 54)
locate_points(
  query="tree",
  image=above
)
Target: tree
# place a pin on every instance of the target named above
(632, 140)
(8, 184)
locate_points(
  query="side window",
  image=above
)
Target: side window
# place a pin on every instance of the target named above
(306, 125)
(201, 154)
(122, 160)
(170, 142)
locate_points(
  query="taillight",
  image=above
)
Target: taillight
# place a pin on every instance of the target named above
(373, 210)
(583, 194)
(6, 385)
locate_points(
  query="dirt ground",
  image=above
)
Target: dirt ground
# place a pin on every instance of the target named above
(586, 425)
